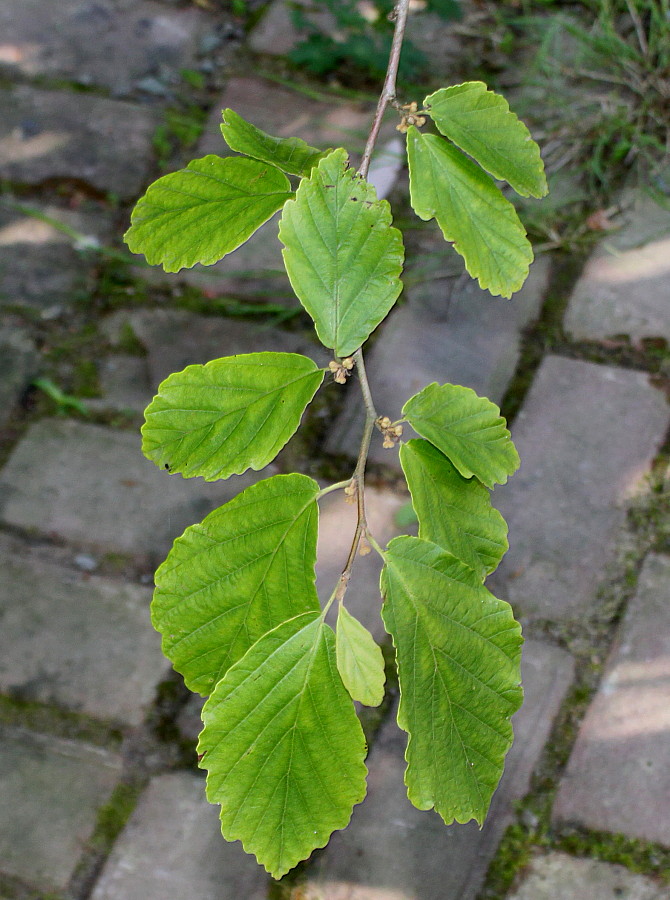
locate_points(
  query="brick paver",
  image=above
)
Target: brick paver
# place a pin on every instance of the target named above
(172, 849)
(124, 384)
(561, 877)
(19, 363)
(447, 331)
(586, 435)
(52, 790)
(392, 850)
(41, 266)
(97, 42)
(618, 777)
(49, 135)
(624, 286)
(90, 485)
(76, 640)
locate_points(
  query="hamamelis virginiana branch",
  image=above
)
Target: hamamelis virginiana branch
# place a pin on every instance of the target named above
(387, 96)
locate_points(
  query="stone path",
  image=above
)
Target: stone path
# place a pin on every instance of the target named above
(87, 702)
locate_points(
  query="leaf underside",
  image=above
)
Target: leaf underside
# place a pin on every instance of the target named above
(453, 512)
(468, 429)
(481, 123)
(203, 212)
(471, 211)
(229, 415)
(246, 568)
(291, 155)
(458, 653)
(283, 746)
(360, 661)
(342, 255)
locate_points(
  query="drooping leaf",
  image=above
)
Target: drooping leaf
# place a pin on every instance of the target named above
(468, 429)
(454, 512)
(246, 568)
(458, 652)
(230, 415)
(360, 661)
(471, 211)
(203, 212)
(481, 123)
(283, 746)
(342, 255)
(291, 155)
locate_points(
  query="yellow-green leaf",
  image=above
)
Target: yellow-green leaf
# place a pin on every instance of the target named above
(468, 429)
(342, 255)
(458, 652)
(359, 660)
(291, 155)
(239, 573)
(283, 746)
(481, 123)
(203, 212)
(471, 211)
(230, 415)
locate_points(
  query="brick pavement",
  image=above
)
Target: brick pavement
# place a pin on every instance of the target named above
(77, 496)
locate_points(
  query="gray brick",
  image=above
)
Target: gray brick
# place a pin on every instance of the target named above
(448, 331)
(618, 777)
(54, 134)
(52, 789)
(624, 286)
(393, 850)
(175, 339)
(561, 877)
(19, 363)
(172, 849)
(78, 641)
(586, 435)
(90, 485)
(276, 33)
(124, 384)
(41, 266)
(97, 42)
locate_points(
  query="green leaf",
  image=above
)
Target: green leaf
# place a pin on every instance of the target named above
(458, 652)
(359, 660)
(342, 256)
(230, 415)
(481, 123)
(454, 512)
(468, 429)
(203, 212)
(283, 746)
(291, 155)
(244, 570)
(471, 211)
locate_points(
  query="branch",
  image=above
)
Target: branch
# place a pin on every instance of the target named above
(389, 90)
(358, 479)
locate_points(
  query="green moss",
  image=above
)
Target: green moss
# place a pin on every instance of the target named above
(113, 816)
(638, 856)
(63, 723)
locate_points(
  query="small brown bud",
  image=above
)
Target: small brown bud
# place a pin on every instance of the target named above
(364, 547)
(340, 371)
